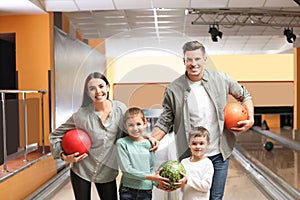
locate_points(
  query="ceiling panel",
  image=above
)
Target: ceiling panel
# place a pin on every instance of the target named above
(96, 5)
(280, 3)
(132, 4)
(60, 6)
(171, 3)
(20, 7)
(243, 3)
(209, 3)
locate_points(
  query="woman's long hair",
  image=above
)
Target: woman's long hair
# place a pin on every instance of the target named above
(86, 100)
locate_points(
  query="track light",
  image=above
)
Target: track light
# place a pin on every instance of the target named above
(290, 36)
(215, 33)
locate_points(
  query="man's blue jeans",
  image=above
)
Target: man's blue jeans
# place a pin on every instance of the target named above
(219, 178)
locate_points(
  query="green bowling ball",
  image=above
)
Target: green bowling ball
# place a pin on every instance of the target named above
(268, 146)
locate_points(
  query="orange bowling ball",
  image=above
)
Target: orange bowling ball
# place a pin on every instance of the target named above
(76, 140)
(233, 113)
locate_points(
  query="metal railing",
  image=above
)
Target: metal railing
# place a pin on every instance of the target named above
(278, 138)
(23, 93)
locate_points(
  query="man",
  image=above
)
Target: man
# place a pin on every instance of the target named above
(198, 98)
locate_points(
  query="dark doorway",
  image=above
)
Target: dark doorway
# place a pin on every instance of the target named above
(8, 63)
(8, 81)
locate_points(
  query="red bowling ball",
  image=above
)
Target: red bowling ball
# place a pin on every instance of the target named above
(76, 140)
(234, 112)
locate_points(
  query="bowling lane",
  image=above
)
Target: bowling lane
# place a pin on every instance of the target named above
(281, 160)
(238, 186)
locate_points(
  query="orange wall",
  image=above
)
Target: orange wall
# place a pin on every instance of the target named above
(34, 53)
(264, 67)
(296, 88)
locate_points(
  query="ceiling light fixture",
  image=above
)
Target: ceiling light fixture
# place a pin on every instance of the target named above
(215, 33)
(290, 36)
(246, 17)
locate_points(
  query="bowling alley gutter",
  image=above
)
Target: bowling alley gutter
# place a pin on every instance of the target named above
(278, 138)
(272, 185)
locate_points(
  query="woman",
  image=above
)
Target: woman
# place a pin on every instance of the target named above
(100, 118)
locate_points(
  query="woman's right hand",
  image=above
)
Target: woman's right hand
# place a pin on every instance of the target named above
(73, 157)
